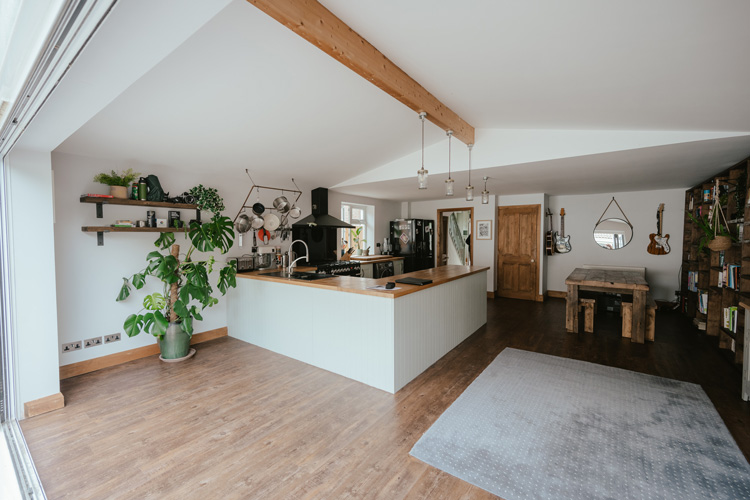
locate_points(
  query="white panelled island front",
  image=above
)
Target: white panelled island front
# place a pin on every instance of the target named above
(383, 338)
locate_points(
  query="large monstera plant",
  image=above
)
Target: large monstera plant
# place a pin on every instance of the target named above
(187, 291)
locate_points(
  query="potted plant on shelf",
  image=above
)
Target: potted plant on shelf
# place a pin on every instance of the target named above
(357, 240)
(118, 182)
(169, 316)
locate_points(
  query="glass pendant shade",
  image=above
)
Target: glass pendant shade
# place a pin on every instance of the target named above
(485, 197)
(449, 187)
(422, 178)
(422, 173)
(469, 193)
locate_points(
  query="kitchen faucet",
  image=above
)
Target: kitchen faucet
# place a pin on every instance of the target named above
(294, 263)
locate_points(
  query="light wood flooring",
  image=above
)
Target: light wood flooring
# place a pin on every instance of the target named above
(237, 421)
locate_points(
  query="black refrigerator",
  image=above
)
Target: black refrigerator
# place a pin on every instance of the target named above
(414, 240)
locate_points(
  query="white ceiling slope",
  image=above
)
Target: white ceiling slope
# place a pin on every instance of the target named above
(132, 40)
(563, 90)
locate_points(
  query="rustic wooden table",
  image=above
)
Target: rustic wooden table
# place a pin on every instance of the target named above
(605, 280)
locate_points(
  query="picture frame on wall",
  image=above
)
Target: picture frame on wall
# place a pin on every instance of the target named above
(484, 230)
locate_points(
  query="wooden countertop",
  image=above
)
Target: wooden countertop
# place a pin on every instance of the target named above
(352, 284)
(369, 259)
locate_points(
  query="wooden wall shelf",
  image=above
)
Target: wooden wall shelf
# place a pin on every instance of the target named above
(100, 230)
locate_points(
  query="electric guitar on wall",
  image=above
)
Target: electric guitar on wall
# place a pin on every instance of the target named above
(549, 246)
(562, 242)
(659, 245)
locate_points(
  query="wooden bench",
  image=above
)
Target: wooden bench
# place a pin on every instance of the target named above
(588, 306)
(627, 318)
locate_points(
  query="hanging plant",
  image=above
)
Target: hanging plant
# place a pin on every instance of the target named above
(716, 236)
(208, 199)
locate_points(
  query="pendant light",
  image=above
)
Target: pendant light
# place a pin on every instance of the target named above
(470, 188)
(422, 173)
(449, 181)
(485, 193)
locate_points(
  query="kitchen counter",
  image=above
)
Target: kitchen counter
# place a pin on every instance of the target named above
(383, 338)
(353, 284)
(370, 259)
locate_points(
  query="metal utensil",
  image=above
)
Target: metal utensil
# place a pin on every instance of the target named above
(295, 212)
(256, 221)
(258, 208)
(243, 224)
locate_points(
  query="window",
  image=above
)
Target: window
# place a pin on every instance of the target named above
(361, 217)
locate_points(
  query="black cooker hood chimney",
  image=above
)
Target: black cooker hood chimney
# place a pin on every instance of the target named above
(320, 217)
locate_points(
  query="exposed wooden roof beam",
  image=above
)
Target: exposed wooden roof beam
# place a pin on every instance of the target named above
(316, 24)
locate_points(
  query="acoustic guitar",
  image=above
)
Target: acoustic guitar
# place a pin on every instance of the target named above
(549, 246)
(659, 245)
(562, 242)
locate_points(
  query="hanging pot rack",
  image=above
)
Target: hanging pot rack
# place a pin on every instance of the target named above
(257, 188)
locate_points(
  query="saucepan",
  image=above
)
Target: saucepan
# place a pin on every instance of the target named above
(243, 224)
(281, 204)
(258, 208)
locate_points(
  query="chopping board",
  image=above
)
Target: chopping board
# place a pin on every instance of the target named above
(370, 257)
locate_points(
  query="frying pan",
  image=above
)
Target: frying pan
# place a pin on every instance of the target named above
(256, 221)
(295, 212)
(258, 208)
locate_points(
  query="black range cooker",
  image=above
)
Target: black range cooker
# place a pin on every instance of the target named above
(341, 268)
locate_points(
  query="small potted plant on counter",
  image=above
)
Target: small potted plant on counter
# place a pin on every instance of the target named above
(187, 292)
(118, 182)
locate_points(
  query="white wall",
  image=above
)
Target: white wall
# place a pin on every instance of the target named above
(32, 264)
(484, 250)
(582, 213)
(89, 276)
(385, 211)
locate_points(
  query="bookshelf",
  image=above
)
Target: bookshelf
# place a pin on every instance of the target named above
(713, 282)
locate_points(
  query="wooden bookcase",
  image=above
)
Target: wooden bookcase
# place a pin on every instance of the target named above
(708, 266)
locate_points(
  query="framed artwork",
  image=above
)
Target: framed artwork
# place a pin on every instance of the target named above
(484, 230)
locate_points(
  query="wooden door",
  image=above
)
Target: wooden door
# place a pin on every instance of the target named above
(518, 251)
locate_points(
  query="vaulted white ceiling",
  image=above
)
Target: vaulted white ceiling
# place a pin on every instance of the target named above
(567, 97)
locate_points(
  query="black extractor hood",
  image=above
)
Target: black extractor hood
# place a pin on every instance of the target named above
(320, 217)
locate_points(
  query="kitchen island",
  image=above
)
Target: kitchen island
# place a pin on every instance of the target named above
(383, 338)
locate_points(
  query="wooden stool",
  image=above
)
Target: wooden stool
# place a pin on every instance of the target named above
(627, 318)
(588, 306)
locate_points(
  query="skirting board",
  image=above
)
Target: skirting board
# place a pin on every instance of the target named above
(119, 358)
(556, 294)
(43, 405)
(490, 295)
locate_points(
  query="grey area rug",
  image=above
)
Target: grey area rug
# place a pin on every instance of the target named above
(543, 427)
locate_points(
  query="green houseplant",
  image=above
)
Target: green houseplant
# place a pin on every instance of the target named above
(118, 182)
(716, 235)
(187, 292)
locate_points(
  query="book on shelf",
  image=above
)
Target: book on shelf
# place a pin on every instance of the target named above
(94, 195)
(730, 318)
(703, 301)
(729, 276)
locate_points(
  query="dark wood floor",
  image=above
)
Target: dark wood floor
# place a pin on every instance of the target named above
(238, 421)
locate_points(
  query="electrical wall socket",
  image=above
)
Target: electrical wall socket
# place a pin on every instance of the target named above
(111, 338)
(72, 346)
(92, 342)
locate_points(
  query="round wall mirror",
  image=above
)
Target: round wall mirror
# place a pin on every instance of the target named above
(613, 234)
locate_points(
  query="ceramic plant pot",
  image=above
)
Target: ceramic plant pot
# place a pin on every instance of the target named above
(175, 343)
(118, 191)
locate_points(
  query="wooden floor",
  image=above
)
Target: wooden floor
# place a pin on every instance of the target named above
(238, 421)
